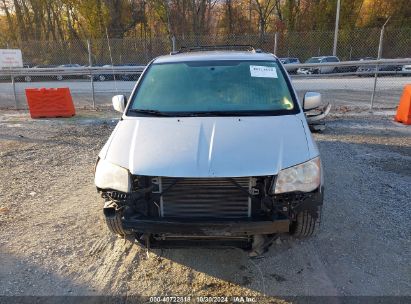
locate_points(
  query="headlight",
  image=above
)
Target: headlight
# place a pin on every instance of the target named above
(304, 177)
(110, 176)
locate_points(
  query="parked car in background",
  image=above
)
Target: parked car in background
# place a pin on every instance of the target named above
(369, 70)
(28, 65)
(125, 76)
(353, 68)
(71, 65)
(111, 75)
(105, 76)
(45, 66)
(320, 70)
(95, 77)
(290, 60)
(29, 78)
(406, 69)
(131, 76)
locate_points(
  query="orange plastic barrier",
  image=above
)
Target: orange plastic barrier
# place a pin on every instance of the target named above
(50, 103)
(404, 108)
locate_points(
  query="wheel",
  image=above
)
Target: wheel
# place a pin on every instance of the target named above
(59, 77)
(113, 220)
(101, 77)
(27, 79)
(335, 70)
(306, 223)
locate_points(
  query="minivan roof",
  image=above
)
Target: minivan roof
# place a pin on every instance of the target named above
(215, 55)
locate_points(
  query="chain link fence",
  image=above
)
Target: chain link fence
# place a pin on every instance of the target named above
(337, 88)
(353, 44)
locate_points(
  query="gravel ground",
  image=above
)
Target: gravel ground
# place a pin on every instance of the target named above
(53, 240)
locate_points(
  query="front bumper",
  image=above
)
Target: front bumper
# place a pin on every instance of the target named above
(205, 228)
(269, 215)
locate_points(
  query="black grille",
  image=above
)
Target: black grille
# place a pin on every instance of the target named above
(205, 197)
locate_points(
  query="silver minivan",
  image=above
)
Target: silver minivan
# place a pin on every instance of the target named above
(211, 145)
(320, 69)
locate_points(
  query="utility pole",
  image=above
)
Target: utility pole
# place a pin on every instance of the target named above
(249, 12)
(173, 42)
(275, 43)
(378, 58)
(90, 62)
(337, 21)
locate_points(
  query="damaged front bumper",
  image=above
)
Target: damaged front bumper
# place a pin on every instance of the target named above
(206, 228)
(148, 212)
(276, 218)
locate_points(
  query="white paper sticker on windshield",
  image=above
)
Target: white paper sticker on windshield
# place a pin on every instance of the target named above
(263, 71)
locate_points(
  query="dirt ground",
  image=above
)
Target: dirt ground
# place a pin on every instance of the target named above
(53, 240)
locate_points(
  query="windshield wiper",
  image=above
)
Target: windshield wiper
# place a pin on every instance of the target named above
(150, 112)
(214, 113)
(199, 113)
(233, 113)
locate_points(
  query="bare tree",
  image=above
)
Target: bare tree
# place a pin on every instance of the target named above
(264, 9)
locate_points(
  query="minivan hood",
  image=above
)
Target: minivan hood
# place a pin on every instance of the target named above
(208, 146)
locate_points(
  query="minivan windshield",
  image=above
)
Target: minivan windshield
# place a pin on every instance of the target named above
(213, 88)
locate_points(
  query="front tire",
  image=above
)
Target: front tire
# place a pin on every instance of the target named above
(113, 217)
(307, 223)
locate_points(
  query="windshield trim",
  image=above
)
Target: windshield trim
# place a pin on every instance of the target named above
(244, 113)
(295, 110)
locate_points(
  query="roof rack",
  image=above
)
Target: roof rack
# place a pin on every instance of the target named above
(244, 47)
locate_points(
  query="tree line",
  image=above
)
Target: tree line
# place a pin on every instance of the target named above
(62, 20)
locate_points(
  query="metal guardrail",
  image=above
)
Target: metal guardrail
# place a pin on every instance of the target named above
(18, 72)
(343, 74)
(357, 63)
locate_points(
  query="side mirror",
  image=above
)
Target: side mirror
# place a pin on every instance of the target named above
(311, 101)
(119, 103)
